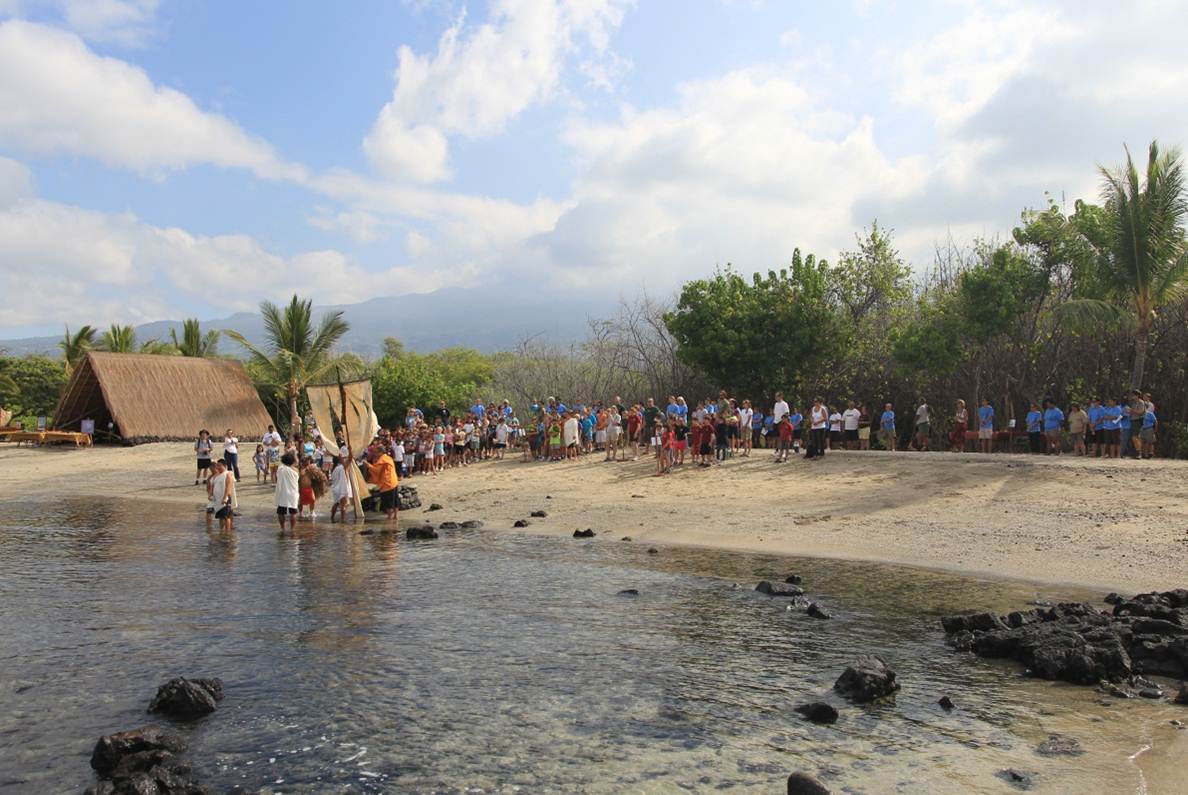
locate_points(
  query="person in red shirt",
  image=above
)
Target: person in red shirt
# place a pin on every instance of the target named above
(785, 440)
(634, 428)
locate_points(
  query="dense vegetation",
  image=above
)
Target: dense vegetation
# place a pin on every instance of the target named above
(1074, 305)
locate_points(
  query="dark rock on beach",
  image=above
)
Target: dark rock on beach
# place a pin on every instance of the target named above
(539, 514)
(804, 784)
(818, 712)
(421, 533)
(653, 551)
(816, 611)
(1182, 696)
(406, 498)
(449, 525)
(866, 679)
(521, 523)
(946, 703)
(628, 592)
(779, 589)
(794, 579)
(1060, 745)
(587, 533)
(472, 524)
(1079, 643)
(187, 699)
(434, 506)
(1016, 778)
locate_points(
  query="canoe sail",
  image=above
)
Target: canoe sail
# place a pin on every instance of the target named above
(346, 406)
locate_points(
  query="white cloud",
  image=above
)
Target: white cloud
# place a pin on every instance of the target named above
(16, 182)
(481, 78)
(126, 23)
(59, 97)
(358, 225)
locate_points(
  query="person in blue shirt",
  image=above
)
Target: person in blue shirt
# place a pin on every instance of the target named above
(478, 409)
(1124, 430)
(887, 426)
(1146, 438)
(986, 426)
(1035, 430)
(770, 436)
(797, 420)
(1093, 437)
(1111, 423)
(757, 429)
(1053, 426)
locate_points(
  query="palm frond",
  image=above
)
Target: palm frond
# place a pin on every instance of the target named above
(1087, 315)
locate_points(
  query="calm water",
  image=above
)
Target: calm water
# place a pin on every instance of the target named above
(488, 662)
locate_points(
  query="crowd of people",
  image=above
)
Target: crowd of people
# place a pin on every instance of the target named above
(430, 441)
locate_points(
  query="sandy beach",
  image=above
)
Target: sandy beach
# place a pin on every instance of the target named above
(1116, 525)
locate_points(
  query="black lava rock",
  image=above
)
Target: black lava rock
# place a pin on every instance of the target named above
(539, 514)
(520, 523)
(435, 506)
(653, 551)
(421, 533)
(1060, 745)
(587, 533)
(407, 499)
(628, 592)
(472, 524)
(804, 784)
(818, 712)
(1079, 643)
(779, 589)
(816, 611)
(946, 703)
(866, 679)
(187, 699)
(1016, 778)
(112, 748)
(794, 579)
(449, 525)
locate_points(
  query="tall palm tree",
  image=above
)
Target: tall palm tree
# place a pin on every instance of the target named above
(1144, 263)
(75, 346)
(118, 339)
(193, 342)
(297, 353)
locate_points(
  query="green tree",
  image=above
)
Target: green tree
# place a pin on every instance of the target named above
(118, 339)
(401, 379)
(760, 336)
(1145, 260)
(297, 353)
(75, 346)
(193, 342)
(39, 381)
(872, 278)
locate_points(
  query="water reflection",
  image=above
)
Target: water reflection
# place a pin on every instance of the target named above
(490, 662)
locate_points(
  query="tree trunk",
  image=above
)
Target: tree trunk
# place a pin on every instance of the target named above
(294, 420)
(1141, 336)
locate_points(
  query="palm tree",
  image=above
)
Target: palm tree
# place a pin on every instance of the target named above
(118, 339)
(1145, 260)
(298, 354)
(193, 342)
(75, 346)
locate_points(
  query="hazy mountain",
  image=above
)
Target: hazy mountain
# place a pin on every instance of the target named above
(488, 319)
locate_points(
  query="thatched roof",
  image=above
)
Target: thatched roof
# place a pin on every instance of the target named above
(161, 397)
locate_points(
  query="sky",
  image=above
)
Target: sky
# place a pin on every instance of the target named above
(164, 159)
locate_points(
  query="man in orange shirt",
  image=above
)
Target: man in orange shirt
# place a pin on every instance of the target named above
(382, 472)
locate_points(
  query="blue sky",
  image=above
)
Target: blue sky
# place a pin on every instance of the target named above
(169, 159)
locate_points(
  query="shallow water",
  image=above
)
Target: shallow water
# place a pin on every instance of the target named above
(492, 662)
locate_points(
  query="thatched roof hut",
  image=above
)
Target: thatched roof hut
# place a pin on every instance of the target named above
(149, 397)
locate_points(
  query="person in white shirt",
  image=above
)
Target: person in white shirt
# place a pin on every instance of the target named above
(835, 428)
(269, 435)
(819, 419)
(288, 492)
(850, 418)
(780, 409)
(222, 495)
(340, 490)
(745, 415)
(231, 453)
(923, 425)
(500, 438)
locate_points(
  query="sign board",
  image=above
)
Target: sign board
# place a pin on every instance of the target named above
(41, 423)
(87, 427)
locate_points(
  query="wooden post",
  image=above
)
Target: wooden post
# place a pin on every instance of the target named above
(342, 398)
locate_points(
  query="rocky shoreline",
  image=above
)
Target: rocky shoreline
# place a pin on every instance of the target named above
(1145, 635)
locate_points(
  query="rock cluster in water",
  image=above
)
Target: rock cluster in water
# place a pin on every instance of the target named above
(142, 761)
(1078, 643)
(867, 679)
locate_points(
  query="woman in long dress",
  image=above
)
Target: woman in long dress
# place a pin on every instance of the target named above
(340, 489)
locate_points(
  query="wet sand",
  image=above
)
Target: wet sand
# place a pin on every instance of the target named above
(1100, 524)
